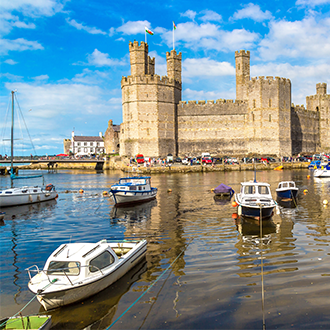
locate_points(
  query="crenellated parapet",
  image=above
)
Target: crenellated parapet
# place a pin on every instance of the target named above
(270, 80)
(242, 52)
(149, 80)
(211, 107)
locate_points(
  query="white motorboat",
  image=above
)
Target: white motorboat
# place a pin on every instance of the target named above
(255, 200)
(23, 195)
(286, 190)
(322, 171)
(133, 190)
(77, 271)
(27, 195)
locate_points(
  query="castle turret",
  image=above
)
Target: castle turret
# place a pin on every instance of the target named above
(139, 58)
(174, 65)
(321, 88)
(151, 66)
(242, 61)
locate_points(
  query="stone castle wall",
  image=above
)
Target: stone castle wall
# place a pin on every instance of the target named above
(261, 121)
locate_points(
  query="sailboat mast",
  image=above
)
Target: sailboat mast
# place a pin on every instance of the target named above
(12, 134)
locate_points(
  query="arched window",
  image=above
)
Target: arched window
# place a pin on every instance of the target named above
(270, 117)
(270, 102)
(238, 66)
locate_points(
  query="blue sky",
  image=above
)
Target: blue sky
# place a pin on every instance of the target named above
(66, 58)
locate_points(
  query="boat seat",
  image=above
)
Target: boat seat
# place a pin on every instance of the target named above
(73, 269)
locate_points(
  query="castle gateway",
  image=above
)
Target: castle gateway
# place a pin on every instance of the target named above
(261, 121)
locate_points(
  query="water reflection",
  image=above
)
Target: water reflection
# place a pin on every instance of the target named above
(222, 200)
(23, 212)
(136, 213)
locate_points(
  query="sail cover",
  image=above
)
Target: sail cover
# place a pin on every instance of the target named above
(223, 189)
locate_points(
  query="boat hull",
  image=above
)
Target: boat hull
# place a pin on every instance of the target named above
(55, 299)
(128, 197)
(28, 198)
(254, 212)
(287, 193)
(322, 173)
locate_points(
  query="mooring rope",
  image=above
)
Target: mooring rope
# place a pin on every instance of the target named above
(262, 273)
(119, 317)
(53, 281)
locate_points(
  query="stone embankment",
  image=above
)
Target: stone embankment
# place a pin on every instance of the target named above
(116, 163)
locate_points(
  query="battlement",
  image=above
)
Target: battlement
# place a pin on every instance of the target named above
(242, 52)
(208, 102)
(135, 46)
(321, 88)
(298, 107)
(174, 54)
(149, 79)
(317, 96)
(269, 79)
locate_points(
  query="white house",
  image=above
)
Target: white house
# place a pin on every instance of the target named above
(87, 145)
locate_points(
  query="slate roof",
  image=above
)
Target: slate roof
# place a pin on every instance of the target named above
(87, 138)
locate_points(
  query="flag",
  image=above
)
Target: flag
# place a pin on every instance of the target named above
(174, 26)
(149, 31)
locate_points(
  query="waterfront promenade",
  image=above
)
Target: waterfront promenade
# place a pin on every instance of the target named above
(123, 164)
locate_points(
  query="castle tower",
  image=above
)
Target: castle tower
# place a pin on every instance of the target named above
(242, 63)
(174, 65)
(320, 103)
(139, 58)
(150, 105)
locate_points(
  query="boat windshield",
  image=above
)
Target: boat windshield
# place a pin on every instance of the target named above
(64, 267)
(251, 190)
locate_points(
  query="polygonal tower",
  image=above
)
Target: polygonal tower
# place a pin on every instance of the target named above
(242, 63)
(150, 105)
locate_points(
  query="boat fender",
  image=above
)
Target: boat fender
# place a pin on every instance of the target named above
(239, 210)
(47, 194)
(38, 198)
(30, 199)
(277, 210)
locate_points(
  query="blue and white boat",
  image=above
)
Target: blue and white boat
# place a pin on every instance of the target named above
(322, 172)
(287, 190)
(255, 200)
(133, 190)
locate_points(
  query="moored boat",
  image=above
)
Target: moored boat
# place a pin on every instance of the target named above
(76, 271)
(322, 172)
(133, 190)
(255, 200)
(223, 191)
(27, 195)
(37, 322)
(23, 195)
(286, 190)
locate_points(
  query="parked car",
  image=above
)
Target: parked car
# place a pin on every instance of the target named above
(206, 160)
(139, 159)
(217, 160)
(185, 161)
(271, 159)
(177, 160)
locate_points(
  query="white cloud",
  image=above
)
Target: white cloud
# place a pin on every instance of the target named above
(98, 58)
(19, 44)
(189, 94)
(33, 8)
(189, 13)
(253, 12)
(311, 3)
(308, 38)
(41, 77)
(199, 67)
(210, 15)
(80, 26)
(209, 36)
(90, 77)
(10, 62)
(133, 27)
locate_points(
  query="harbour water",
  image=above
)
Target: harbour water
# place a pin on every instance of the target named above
(215, 283)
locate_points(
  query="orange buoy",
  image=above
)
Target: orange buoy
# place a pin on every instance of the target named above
(81, 191)
(308, 176)
(234, 204)
(234, 215)
(105, 193)
(169, 190)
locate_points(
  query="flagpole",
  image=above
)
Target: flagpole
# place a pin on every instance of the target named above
(173, 38)
(145, 35)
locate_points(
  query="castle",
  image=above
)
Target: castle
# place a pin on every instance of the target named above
(261, 121)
